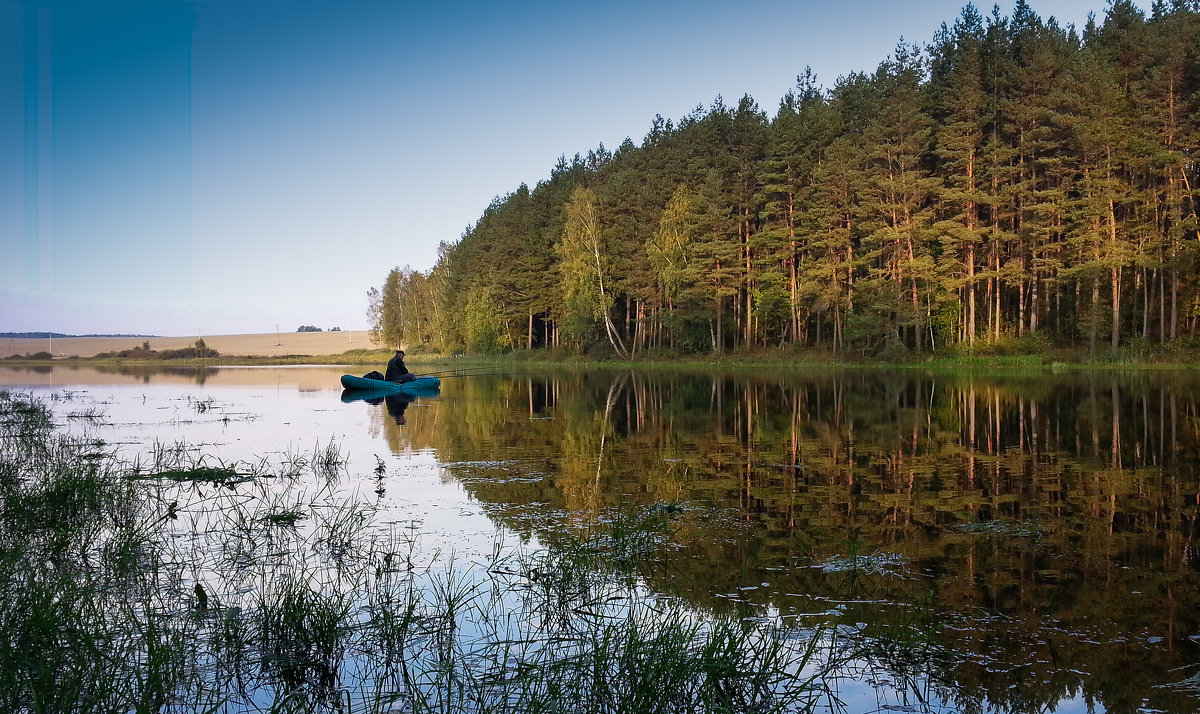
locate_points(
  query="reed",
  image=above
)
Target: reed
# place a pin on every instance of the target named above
(328, 461)
(136, 587)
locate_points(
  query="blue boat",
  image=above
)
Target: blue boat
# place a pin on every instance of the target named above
(419, 386)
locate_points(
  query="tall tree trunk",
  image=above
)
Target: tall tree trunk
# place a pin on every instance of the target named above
(719, 336)
(838, 338)
(745, 230)
(1116, 279)
(996, 297)
(1162, 305)
(1094, 327)
(971, 295)
(1034, 307)
(1146, 286)
(1021, 307)
(632, 324)
(614, 338)
(1116, 308)
(1174, 297)
(972, 221)
(918, 328)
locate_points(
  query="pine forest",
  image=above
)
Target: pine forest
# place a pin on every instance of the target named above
(1012, 183)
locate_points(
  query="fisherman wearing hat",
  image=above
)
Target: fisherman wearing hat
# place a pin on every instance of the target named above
(396, 371)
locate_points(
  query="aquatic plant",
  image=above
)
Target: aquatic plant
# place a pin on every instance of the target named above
(327, 461)
(155, 586)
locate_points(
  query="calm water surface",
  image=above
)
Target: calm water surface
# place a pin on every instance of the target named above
(1037, 533)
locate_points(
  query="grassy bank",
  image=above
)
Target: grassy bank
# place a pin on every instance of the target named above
(1026, 355)
(181, 583)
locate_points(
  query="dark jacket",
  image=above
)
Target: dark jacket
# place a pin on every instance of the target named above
(396, 370)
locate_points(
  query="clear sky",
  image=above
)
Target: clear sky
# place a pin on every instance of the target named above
(229, 166)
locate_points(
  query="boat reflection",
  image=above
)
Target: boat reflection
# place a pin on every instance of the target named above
(395, 403)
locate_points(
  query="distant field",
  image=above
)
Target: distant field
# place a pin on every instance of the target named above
(269, 344)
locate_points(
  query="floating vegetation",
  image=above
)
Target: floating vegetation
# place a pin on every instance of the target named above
(512, 471)
(284, 518)
(216, 475)
(91, 414)
(870, 564)
(200, 406)
(1002, 528)
(326, 462)
(1188, 684)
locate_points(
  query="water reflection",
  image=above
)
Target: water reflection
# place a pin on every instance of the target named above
(1012, 543)
(395, 404)
(1049, 523)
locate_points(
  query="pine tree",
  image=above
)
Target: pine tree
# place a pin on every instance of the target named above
(958, 102)
(895, 213)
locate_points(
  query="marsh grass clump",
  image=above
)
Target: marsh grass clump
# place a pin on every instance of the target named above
(562, 630)
(287, 519)
(201, 406)
(327, 461)
(80, 627)
(181, 462)
(302, 634)
(162, 586)
(292, 465)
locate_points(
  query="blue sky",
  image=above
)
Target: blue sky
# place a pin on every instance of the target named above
(227, 166)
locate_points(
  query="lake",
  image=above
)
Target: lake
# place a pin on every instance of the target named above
(949, 542)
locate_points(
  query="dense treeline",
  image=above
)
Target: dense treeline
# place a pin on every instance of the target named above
(1011, 181)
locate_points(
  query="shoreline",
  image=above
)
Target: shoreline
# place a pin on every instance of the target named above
(266, 344)
(377, 357)
(356, 348)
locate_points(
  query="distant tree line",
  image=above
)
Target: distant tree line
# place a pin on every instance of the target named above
(58, 335)
(1013, 181)
(199, 350)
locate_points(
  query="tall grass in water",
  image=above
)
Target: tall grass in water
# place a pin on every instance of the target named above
(84, 624)
(122, 590)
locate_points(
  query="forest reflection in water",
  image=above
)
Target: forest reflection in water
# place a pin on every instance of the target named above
(968, 543)
(1040, 530)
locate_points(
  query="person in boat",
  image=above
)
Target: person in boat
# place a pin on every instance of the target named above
(396, 371)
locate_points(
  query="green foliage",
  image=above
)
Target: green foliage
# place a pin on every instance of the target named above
(404, 313)
(1013, 176)
(772, 308)
(391, 311)
(669, 249)
(199, 350)
(484, 330)
(690, 332)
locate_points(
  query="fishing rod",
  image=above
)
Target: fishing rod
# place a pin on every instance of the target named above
(463, 371)
(475, 372)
